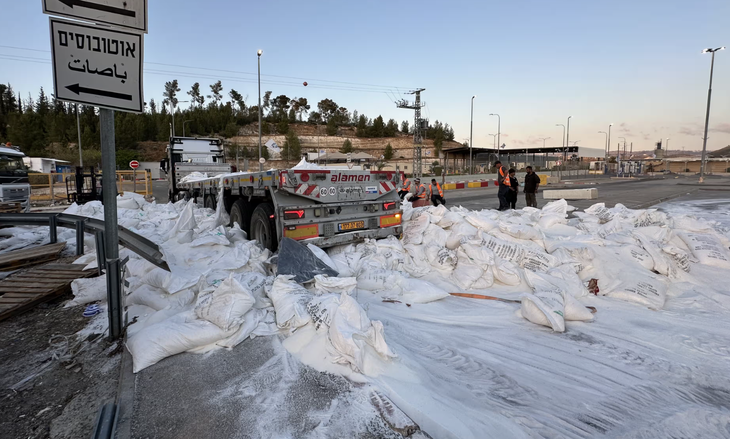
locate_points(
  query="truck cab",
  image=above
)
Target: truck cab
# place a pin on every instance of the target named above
(14, 184)
(186, 155)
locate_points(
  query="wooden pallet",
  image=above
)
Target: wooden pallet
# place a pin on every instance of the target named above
(11, 208)
(30, 256)
(21, 292)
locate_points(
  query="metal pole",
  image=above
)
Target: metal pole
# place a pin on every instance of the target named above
(78, 129)
(666, 156)
(111, 233)
(567, 140)
(707, 119)
(608, 146)
(261, 165)
(471, 138)
(134, 184)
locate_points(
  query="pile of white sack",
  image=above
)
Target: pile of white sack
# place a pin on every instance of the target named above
(222, 289)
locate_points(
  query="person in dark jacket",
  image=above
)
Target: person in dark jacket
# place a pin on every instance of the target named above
(532, 184)
(514, 188)
(504, 186)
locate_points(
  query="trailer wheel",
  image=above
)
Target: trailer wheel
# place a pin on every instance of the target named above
(210, 202)
(241, 214)
(263, 226)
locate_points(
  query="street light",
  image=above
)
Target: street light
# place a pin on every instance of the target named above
(471, 137)
(618, 157)
(78, 128)
(499, 129)
(494, 141)
(707, 115)
(666, 156)
(567, 140)
(606, 147)
(562, 145)
(187, 121)
(544, 139)
(261, 165)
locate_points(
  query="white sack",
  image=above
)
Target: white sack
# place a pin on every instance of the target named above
(159, 299)
(707, 248)
(378, 280)
(337, 285)
(290, 302)
(420, 291)
(414, 229)
(435, 234)
(322, 255)
(467, 272)
(225, 306)
(506, 272)
(87, 291)
(441, 259)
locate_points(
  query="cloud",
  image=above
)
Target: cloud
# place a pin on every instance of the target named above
(722, 128)
(690, 131)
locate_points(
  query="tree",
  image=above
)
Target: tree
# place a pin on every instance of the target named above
(327, 108)
(280, 106)
(283, 126)
(315, 117)
(300, 105)
(292, 115)
(388, 154)
(231, 130)
(391, 128)
(170, 93)
(292, 147)
(42, 106)
(217, 90)
(153, 106)
(332, 127)
(237, 99)
(346, 147)
(404, 127)
(195, 96)
(266, 103)
(362, 127)
(378, 127)
(355, 118)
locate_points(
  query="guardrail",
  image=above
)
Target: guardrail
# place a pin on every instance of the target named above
(52, 187)
(136, 243)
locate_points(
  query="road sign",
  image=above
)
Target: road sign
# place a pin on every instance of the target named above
(262, 160)
(131, 14)
(134, 164)
(97, 66)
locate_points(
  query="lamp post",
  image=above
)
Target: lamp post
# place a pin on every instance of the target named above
(567, 140)
(187, 121)
(562, 145)
(605, 147)
(261, 165)
(494, 141)
(707, 114)
(499, 129)
(618, 152)
(666, 156)
(471, 138)
(544, 139)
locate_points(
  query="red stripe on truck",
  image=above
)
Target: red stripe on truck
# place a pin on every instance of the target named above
(310, 189)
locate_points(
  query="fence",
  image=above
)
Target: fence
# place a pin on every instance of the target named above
(52, 187)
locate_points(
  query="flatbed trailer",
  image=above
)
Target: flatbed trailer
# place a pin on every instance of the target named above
(325, 207)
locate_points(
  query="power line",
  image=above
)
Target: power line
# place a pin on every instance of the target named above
(363, 85)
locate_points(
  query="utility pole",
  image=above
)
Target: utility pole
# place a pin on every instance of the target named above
(261, 165)
(471, 137)
(78, 128)
(417, 128)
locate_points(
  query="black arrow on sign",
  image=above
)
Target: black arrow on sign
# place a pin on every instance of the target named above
(98, 7)
(92, 91)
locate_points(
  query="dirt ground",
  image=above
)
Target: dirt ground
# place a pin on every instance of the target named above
(46, 397)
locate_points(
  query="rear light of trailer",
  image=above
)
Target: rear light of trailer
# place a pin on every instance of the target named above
(301, 232)
(282, 180)
(389, 206)
(304, 177)
(293, 214)
(390, 220)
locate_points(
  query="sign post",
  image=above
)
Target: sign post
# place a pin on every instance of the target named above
(134, 164)
(102, 67)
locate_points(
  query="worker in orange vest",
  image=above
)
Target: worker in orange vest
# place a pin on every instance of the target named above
(418, 192)
(436, 193)
(504, 186)
(405, 188)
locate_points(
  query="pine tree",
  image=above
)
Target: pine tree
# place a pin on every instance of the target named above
(292, 149)
(196, 97)
(217, 90)
(404, 127)
(332, 127)
(388, 154)
(346, 147)
(378, 129)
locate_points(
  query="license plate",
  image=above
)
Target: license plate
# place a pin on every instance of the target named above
(354, 225)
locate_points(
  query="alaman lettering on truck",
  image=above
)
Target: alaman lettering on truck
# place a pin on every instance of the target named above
(342, 178)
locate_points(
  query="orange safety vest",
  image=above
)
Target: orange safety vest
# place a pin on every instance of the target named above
(407, 185)
(438, 186)
(504, 175)
(418, 189)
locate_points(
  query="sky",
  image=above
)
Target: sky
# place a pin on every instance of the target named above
(636, 64)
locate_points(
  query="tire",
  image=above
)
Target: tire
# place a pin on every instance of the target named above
(210, 202)
(263, 226)
(241, 213)
(183, 195)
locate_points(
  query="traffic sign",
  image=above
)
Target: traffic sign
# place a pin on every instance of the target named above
(97, 66)
(131, 14)
(134, 164)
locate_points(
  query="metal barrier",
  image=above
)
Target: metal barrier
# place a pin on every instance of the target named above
(52, 187)
(138, 244)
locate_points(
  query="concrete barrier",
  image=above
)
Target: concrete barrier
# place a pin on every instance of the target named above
(570, 194)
